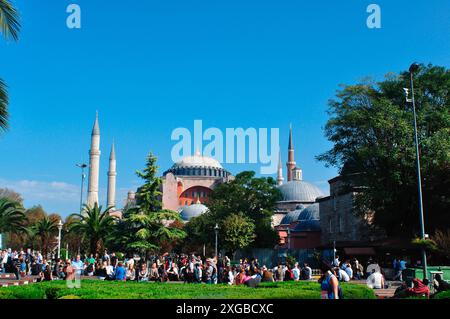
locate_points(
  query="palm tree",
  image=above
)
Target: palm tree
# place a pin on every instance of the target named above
(12, 216)
(95, 225)
(145, 232)
(45, 228)
(9, 28)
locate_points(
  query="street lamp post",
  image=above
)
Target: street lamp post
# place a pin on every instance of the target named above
(60, 225)
(83, 176)
(289, 238)
(216, 230)
(413, 68)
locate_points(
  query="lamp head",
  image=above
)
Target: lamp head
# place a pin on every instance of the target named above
(414, 67)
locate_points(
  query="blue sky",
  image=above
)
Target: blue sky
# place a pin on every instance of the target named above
(149, 67)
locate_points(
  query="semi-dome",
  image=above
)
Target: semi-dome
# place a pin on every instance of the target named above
(190, 211)
(310, 212)
(302, 214)
(290, 217)
(299, 191)
(309, 219)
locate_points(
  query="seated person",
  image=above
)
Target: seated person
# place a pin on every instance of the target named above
(419, 289)
(143, 273)
(375, 280)
(253, 280)
(342, 274)
(440, 285)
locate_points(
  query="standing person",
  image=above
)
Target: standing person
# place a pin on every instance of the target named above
(209, 272)
(401, 265)
(114, 260)
(78, 265)
(296, 272)
(306, 273)
(329, 284)
(336, 261)
(105, 256)
(279, 274)
(288, 275)
(198, 274)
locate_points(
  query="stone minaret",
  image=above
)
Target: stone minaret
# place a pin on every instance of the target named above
(94, 164)
(280, 171)
(290, 164)
(112, 179)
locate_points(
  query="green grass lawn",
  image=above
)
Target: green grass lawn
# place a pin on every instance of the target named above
(95, 289)
(443, 295)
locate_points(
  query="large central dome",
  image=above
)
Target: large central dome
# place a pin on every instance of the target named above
(198, 160)
(198, 165)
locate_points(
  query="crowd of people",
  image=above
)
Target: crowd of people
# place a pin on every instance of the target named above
(195, 269)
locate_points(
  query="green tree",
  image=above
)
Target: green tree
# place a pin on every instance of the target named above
(44, 229)
(12, 216)
(9, 27)
(238, 232)
(254, 198)
(94, 225)
(371, 128)
(145, 226)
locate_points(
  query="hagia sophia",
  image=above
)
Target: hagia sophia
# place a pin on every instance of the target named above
(187, 185)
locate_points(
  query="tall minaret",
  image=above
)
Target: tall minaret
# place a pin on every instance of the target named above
(290, 164)
(280, 171)
(94, 164)
(112, 178)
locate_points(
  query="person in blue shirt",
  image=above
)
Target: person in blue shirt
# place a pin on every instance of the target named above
(78, 265)
(120, 272)
(400, 265)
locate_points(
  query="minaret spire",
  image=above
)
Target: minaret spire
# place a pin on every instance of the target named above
(94, 164)
(290, 164)
(111, 194)
(280, 171)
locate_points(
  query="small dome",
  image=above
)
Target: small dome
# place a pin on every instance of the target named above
(190, 211)
(299, 191)
(302, 213)
(290, 217)
(310, 212)
(198, 160)
(309, 219)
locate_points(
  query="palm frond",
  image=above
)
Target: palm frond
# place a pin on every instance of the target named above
(3, 106)
(9, 20)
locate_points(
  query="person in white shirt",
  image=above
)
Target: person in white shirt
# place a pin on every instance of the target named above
(342, 275)
(375, 280)
(296, 272)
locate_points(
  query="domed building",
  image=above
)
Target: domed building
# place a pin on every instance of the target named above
(300, 229)
(190, 180)
(190, 211)
(295, 191)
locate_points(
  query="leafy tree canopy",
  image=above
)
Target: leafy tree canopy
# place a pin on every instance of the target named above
(371, 127)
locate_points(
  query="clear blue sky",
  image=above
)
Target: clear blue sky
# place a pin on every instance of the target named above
(151, 66)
